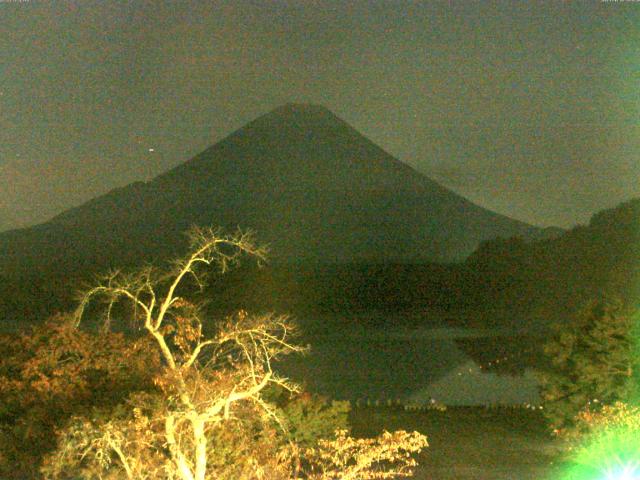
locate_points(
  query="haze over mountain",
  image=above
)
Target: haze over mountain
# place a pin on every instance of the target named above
(310, 185)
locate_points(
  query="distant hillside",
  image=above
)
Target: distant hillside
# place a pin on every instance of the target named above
(310, 185)
(548, 280)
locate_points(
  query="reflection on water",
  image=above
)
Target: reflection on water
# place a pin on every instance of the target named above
(411, 365)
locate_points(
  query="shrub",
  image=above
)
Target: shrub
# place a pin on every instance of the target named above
(309, 418)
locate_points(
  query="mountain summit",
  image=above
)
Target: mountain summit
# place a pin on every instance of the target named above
(308, 183)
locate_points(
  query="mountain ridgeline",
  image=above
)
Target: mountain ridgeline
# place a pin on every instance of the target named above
(350, 229)
(312, 187)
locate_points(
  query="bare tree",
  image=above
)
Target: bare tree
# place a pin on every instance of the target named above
(204, 378)
(206, 384)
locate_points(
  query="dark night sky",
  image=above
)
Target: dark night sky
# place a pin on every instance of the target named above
(530, 109)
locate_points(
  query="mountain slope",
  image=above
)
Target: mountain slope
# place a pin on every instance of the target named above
(309, 184)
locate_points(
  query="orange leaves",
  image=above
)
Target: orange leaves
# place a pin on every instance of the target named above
(60, 363)
(168, 381)
(384, 457)
(188, 330)
(55, 371)
(614, 416)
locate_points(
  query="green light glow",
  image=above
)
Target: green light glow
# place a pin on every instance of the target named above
(629, 472)
(612, 451)
(612, 455)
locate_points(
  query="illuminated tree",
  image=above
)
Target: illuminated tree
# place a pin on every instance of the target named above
(203, 380)
(207, 415)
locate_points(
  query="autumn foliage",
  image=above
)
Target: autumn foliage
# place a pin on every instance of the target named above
(347, 458)
(54, 371)
(177, 396)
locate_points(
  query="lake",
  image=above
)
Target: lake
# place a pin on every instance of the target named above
(411, 365)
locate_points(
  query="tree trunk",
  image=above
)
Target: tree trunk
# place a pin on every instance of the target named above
(180, 461)
(200, 441)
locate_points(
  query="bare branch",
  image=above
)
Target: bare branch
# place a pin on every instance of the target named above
(200, 394)
(206, 248)
(196, 353)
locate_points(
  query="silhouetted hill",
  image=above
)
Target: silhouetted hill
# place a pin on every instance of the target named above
(312, 187)
(546, 281)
